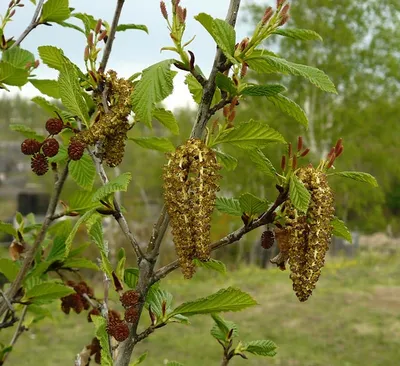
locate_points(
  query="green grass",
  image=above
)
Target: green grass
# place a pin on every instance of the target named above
(353, 318)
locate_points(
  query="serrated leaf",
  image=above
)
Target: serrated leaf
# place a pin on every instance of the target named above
(260, 348)
(7, 228)
(80, 263)
(296, 33)
(11, 75)
(139, 360)
(289, 107)
(154, 86)
(72, 26)
(229, 299)
(271, 64)
(47, 87)
(263, 90)
(340, 230)
(252, 205)
(83, 172)
(299, 195)
(212, 264)
(82, 201)
(101, 334)
(358, 176)
(222, 327)
(124, 27)
(195, 87)
(47, 292)
(155, 300)
(249, 135)
(40, 312)
(58, 249)
(88, 21)
(131, 276)
(230, 206)
(49, 107)
(55, 11)
(225, 83)
(229, 162)
(18, 57)
(79, 250)
(262, 163)
(117, 184)
(167, 119)
(26, 131)
(154, 143)
(9, 268)
(52, 56)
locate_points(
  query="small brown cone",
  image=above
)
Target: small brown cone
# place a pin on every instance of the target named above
(54, 126)
(50, 147)
(39, 164)
(30, 146)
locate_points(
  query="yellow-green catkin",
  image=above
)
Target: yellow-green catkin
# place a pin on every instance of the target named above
(190, 185)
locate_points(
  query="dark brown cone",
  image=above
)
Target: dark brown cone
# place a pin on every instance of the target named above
(113, 315)
(30, 146)
(129, 298)
(39, 164)
(76, 149)
(267, 239)
(50, 147)
(54, 126)
(118, 329)
(94, 311)
(132, 315)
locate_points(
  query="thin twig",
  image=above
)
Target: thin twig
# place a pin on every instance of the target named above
(144, 334)
(16, 284)
(221, 104)
(32, 25)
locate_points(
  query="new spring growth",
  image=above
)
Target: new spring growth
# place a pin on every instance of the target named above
(299, 143)
(163, 9)
(243, 70)
(267, 15)
(102, 35)
(98, 26)
(290, 150)
(283, 163)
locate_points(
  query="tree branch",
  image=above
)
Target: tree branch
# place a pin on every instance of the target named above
(32, 25)
(15, 286)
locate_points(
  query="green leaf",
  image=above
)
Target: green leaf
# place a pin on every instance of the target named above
(139, 360)
(262, 163)
(340, 230)
(124, 27)
(72, 26)
(358, 176)
(49, 107)
(58, 249)
(83, 172)
(167, 119)
(222, 327)
(299, 195)
(131, 276)
(263, 90)
(115, 185)
(229, 299)
(227, 161)
(9, 268)
(47, 292)
(271, 64)
(80, 263)
(252, 205)
(249, 135)
(155, 300)
(5, 227)
(222, 32)
(289, 107)
(39, 312)
(195, 87)
(88, 21)
(70, 93)
(225, 83)
(101, 334)
(79, 250)
(230, 206)
(302, 34)
(11, 75)
(47, 87)
(154, 86)
(154, 143)
(26, 131)
(55, 11)
(260, 348)
(52, 56)
(18, 57)
(212, 264)
(82, 201)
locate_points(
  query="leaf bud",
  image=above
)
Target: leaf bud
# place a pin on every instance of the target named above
(340, 150)
(284, 20)
(338, 144)
(11, 4)
(243, 44)
(290, 149)
(283, 162)
(331, 160)
(90, 39)
(181, 14)
(294, 162)
(226, 111)
(299, 143)
(285, 10)
(164, 308)
(192, 60)
(86, 53)
(305, 152)
(36, 64)
(232, 116)
(267, 15)
(12, 13)
(102, 35)
(163, 9)
(243, 70)
(98, 26)
(279, 3)
(332, 151)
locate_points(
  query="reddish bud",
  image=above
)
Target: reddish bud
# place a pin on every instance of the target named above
(235, 80)
(305, 152)
(180, 14)
(102, 35)
(232, 116)
(283, 162)
(332, 151)
(284, 20)
(86, 53)
(226, 111)
(12, 13)
(192, 60)
(93, 75)
(244, 43)
(331, 160)
(163, 10)
(267, 15)
(152, 317)
(340, 150)
(36, 64)
(184, 14)
(90, 39)
(338, 144)
(290, 149)
(243, 70)
(285, 10)
(164, 307)
(234, 103)
(11, 4)
(299, 143)
(98, 26)
(294, 162)
(20, 5)
(279, 3)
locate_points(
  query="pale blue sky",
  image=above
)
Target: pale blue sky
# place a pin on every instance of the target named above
(133, 50)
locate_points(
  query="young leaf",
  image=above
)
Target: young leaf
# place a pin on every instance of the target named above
(154, 143)
(271, 64)
(55, 11)
(340, 230)
(302, 34)
(26, 131)
(117, 184)
(47, 292)
(260, 348)
(249, 135)
(47, 87)
(131, 276)
(49, 107)
(167, 119)
(101, 334)
(7, 228)
(155, 85)
(155, 300)
(81, 200)
(196, 90)
(83, 172)
(230, 206)
(11, 75)
(225, 83)
(124, 27)
(9, 268)
(139, 360)
(80, 263)
(262, 90)
(252, 205)
(358, 176)
(58, 249)
(18, 57)
(262, 163)
(72, 26)
(212, 264)
(289, 107)
(299, 195)
(229, 299)
(222, 327)
(227, 161)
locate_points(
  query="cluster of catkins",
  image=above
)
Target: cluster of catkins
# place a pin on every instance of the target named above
(190, 185)
(110, 126)
(305, 238)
